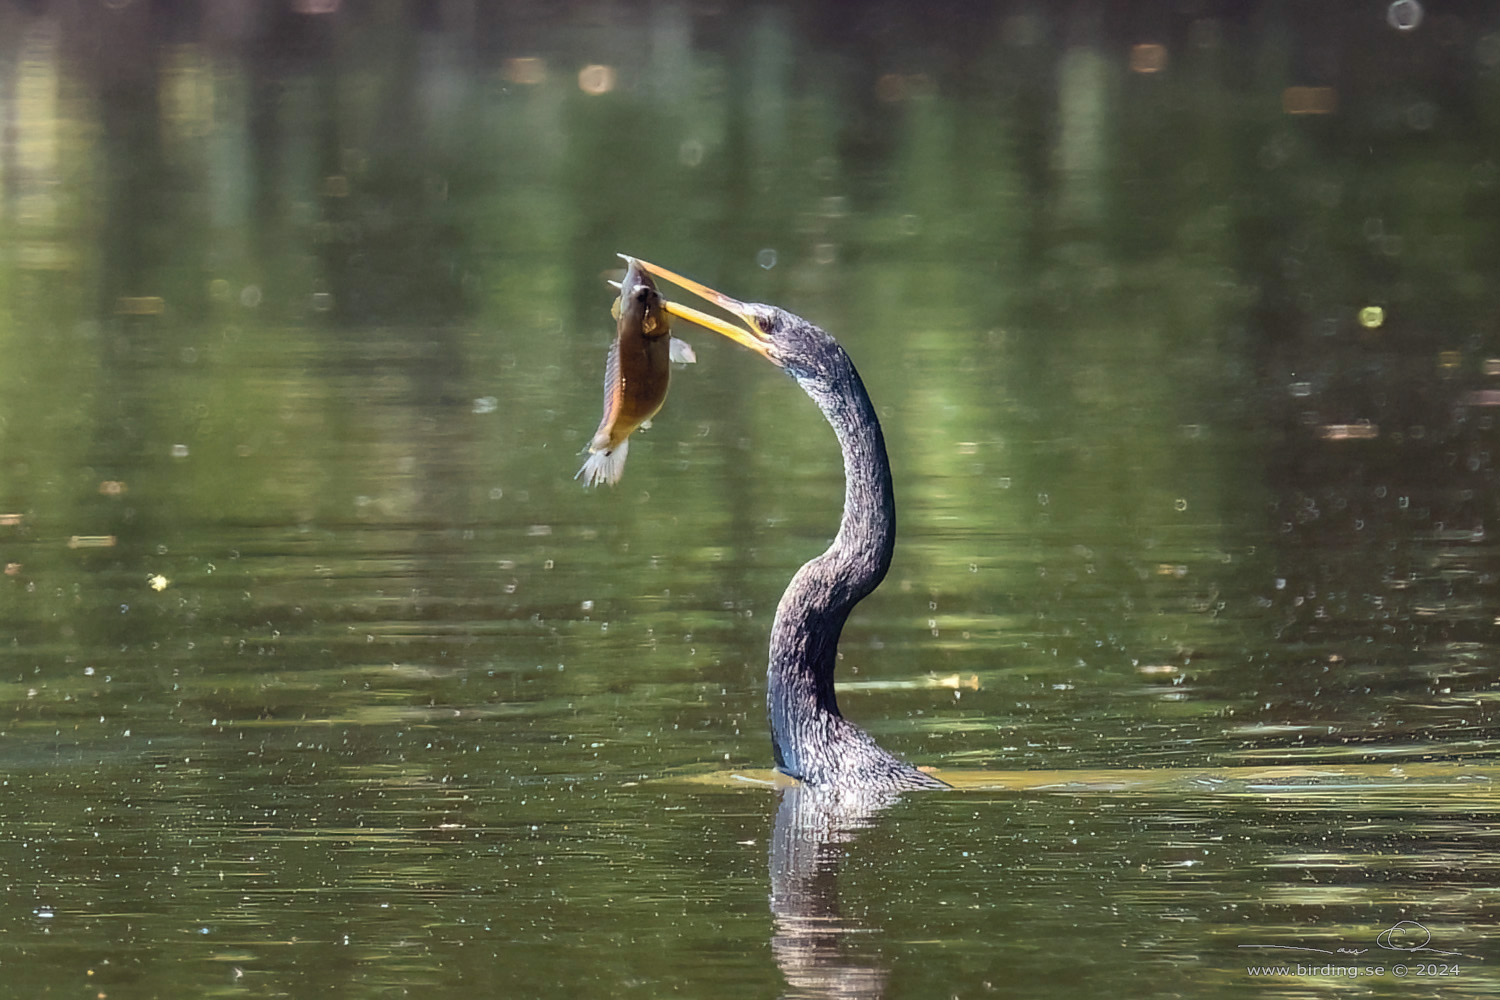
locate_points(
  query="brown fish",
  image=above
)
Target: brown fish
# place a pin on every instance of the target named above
(636, 374)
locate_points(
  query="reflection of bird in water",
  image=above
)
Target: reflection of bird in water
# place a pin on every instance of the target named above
(811, 740)
(820, 951)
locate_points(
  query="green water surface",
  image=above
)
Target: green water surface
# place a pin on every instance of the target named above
(320, 675)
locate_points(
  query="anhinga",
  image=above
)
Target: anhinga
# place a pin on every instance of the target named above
(811, 740)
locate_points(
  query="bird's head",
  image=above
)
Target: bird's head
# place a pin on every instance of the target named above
(782, 338)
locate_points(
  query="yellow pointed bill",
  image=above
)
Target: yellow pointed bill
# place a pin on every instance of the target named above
(750, 335)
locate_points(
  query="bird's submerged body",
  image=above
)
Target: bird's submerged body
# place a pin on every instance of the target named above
(810, 738)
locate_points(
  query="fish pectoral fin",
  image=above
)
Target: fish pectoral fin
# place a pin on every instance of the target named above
(681, 352)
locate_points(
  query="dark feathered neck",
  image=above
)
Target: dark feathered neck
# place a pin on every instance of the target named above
(812, 612)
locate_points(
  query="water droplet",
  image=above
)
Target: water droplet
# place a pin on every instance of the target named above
(596, 79)
(1404, 15)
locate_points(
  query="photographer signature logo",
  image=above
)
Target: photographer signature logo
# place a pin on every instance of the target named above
(1406, 936)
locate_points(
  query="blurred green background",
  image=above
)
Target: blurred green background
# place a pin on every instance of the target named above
(319, 672)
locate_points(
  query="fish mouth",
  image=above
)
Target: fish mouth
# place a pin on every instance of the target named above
(752, 335)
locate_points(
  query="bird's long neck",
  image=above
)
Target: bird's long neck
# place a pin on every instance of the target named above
(804, 638)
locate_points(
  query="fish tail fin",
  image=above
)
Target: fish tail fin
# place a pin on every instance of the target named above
(604, 466)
